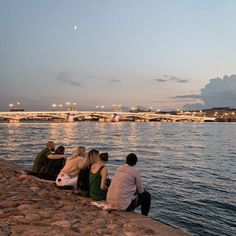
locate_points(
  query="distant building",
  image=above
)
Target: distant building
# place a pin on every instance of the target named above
(222, 113)
(17, 109)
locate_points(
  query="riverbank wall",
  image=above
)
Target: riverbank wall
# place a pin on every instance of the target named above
(31, 207)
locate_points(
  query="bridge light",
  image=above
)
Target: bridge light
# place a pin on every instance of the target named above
(60, 105)
(116, 107)
(69, 107)
(54, 106)
(102, 106)
(11, 105)
(72, 107)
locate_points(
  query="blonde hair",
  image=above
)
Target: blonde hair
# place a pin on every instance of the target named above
(79, 151)
(92, 157)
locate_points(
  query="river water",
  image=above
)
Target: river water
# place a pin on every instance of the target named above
(189, 168)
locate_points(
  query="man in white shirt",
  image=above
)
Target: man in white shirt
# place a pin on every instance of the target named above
(126, 190)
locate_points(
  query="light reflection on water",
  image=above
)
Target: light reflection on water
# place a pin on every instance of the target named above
(188, 168)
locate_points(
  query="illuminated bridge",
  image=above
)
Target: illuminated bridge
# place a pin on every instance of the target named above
(70, 116)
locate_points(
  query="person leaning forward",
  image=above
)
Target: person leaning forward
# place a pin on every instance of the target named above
(126, 190)
(42, 157)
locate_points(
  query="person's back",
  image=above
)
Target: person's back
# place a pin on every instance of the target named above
(126, 191)
(97, 178)
(82, 187)
(40, 160)
(73, 165)
(53, 167)
(69, 173)
(123, 186)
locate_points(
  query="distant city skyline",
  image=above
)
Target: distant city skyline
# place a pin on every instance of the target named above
(167, 55)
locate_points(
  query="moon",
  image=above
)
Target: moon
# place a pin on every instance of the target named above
(75, 27)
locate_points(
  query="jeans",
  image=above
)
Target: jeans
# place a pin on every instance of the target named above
(143, 200)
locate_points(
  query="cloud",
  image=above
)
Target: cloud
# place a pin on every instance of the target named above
(176, 79)
(65, 78)
(217, 93)
(158, 101)
(115, 80)
(194, 96)
(171, 78)
(161, 80)
(182, 80)
(175, 101)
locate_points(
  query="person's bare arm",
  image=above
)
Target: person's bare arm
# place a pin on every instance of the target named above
(103, 185)
(55, 156)
(139, 184)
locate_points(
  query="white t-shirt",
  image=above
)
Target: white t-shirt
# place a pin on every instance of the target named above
(125, 183)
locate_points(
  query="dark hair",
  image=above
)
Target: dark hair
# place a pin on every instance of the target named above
(131, 159)
(104, 156)
(51, 146)
(60, 150)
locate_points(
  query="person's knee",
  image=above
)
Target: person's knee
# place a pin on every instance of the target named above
(146, 196)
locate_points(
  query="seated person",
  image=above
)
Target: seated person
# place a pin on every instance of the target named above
(126, 190)
(98, 177)
(54, 166)
(41, 160)
(69, 174)
(82, 187)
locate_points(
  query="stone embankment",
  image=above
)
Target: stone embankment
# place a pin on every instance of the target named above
(30, 207)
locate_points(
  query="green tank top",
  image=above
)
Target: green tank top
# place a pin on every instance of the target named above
(94, 186)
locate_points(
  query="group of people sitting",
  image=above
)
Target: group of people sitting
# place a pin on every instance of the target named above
(87, 174)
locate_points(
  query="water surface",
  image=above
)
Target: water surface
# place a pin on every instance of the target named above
(189, 168)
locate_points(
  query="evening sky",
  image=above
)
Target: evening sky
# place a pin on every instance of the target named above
(128, 52)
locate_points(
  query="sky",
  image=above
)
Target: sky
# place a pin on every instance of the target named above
(165, 54)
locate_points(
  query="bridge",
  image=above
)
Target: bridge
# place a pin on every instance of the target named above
(70, 116)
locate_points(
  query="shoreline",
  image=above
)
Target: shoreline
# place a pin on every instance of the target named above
(30, 207)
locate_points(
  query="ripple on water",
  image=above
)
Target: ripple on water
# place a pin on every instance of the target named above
(188, 168)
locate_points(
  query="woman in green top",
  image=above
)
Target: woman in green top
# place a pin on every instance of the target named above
(97, 178)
